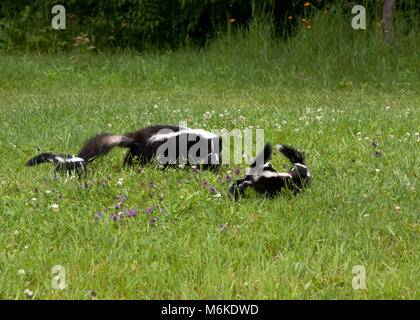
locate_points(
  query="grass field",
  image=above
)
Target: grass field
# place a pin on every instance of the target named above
(359, 132)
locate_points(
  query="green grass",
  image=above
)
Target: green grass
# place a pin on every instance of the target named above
(283, 248)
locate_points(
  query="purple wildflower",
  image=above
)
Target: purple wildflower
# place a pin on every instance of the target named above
(220, 178)
(228, 178)
(222, 227)
(181, 181)
(54, 177)
(153, 220)
(212, 189)
(152, 185)
(353, 160)
(204, 183)
(85, 186)
(36, 190)
(121, 198)
(377, 153)
(284, 165)
(118, 205)
(139, 171)
(374, 144)
(45, 181)
(237, 171)
(195, 170)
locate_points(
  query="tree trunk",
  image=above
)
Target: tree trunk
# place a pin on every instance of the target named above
(387, 20)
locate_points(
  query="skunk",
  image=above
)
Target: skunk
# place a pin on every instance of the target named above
(62, 161)
(267, 181)
(167, 144)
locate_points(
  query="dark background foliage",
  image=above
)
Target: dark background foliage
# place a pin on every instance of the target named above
(144, 24)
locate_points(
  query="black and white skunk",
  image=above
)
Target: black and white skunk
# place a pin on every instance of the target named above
(167, 144)
(267, 181)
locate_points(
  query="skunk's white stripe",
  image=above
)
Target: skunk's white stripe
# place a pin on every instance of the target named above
(300, 165)
(75, 159)
(58, 158)
(270, 174)
(72, 159)
(199, 132)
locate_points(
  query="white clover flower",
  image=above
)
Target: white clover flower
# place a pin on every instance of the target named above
(109, 125)
(54, 206)
(358, 134)
(21, 272)
(218, 195)
(28, 292)
(387, 107)
(397, 209)
(378, 170)
(34, 199)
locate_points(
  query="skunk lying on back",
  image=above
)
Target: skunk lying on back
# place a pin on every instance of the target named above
(168, 144)
(266, 180)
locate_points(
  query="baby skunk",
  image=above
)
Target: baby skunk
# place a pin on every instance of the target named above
(61, 161)
(266, 180)
(168, 144)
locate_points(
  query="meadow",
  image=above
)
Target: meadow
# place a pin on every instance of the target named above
(345, 98)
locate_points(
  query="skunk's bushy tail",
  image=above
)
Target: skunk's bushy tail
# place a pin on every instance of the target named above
(101, 144)
(292, 154)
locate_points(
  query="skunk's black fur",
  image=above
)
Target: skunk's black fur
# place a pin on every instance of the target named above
(169, 144)
(266, 180)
